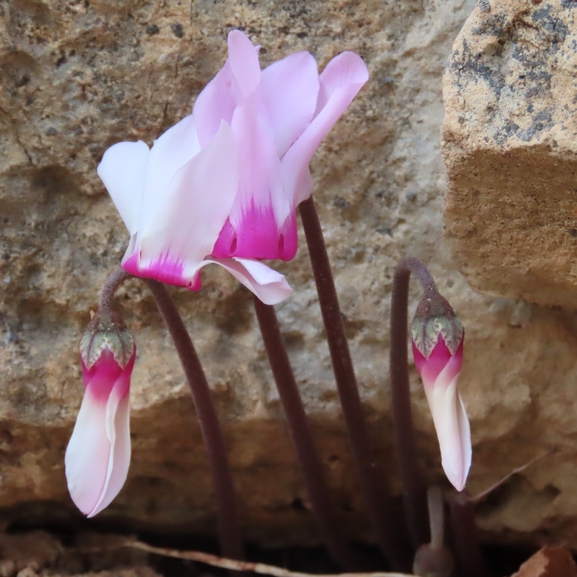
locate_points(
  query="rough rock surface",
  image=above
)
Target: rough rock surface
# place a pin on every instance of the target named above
(510, 146)
(77, 76)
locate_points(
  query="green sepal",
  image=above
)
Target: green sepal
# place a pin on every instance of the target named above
(434, 317)
(106, 331)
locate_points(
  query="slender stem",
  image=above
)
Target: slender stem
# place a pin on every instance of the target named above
(387, 531)
(469, 556)
(230, 540)
(436, 517)
(413, 487)
(300, 432)
(111, 284)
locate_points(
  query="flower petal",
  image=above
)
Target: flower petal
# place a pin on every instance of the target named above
(118, 433)
(87, 455)
(177, 146)
(268, 285)
(453, 430)
(289, 91)
(343, 77)
(214, 104)
(98, 454)
(123, 172)
(187, 223)
(261, 207)
(244, 63)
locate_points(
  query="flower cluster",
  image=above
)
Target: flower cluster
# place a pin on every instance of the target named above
(222, 187)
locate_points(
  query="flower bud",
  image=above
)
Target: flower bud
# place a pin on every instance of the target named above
(438, 337)
(98, 454)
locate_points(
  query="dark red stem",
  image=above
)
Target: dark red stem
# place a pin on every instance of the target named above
(228, 526)
(414, 493)
(465, 535)
(111, 284)
(387, 530)
(300, 432)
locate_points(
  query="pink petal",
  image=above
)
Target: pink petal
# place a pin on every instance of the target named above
(214, 104)
(289, 91)
(258, 236)
(118, 432)
(439, 359)
(123, 172)
(268, 285)
(244, 64)
(98, 454)
(237, 78)
(177, 146)
(453, 430)
(340, 82)
(188, 221)
(261, 208)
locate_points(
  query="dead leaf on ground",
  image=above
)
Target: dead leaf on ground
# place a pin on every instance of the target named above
(549, 562)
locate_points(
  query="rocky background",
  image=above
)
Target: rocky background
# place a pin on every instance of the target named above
(77, 76)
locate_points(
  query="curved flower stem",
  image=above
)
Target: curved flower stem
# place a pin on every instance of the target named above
(302, 438)
(230, 540)
(469, 556)
(414, 494)
(436, 517)
(377, 503)
(111, 284)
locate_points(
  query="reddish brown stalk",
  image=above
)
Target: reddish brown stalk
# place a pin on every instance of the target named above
(465, 535)
(111, 284)
(414, 493)
(228, 528)
(388, 532)
(300, 432)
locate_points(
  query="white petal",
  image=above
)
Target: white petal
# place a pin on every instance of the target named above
(268, 285)
(123, 171)
(453, 430)
(88, 454)
(168, 155)
(118, 433)
(194, 209)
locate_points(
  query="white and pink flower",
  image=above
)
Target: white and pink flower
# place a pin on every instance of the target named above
(438, 355)
(222, 185)
(98, 454)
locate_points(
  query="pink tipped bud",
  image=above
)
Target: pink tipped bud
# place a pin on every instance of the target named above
(438, 337)
(98, 454)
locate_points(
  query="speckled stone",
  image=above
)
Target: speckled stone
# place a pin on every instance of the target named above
(510, 147)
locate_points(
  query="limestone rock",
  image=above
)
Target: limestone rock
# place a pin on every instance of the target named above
(510, 147)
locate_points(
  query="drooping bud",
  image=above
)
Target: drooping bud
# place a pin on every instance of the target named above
(438, 337)
(98, 454)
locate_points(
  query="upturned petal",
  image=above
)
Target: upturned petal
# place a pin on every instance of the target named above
(290, 88)
(340, 81)
(123, 172)
(261, 208)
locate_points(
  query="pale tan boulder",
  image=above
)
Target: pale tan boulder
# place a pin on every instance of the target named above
(510, 148)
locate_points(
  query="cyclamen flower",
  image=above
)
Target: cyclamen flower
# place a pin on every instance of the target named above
(222, 185)
(438, 338)
(98, 454)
